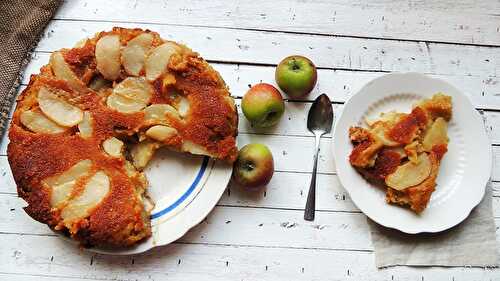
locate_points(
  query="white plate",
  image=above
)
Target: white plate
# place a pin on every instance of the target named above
(465, 168)
(185, 188)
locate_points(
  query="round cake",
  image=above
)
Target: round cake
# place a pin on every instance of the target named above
(87, 125)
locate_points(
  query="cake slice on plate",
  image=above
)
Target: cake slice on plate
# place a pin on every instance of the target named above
(401, 152)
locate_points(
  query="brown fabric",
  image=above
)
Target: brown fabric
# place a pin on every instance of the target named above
(21, 23)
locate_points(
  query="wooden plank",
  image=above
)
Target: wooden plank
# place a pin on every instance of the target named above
(7, 184)
(338, 84)
(15, 220)
(496, 188)
(285, 191)
(289, 191)
(293, 128)
(257, 47)
(293, 122)
(240, 226)
(282, 146)
(39, 277)
(492, 125)
(54, 257)
(496, 163)
(293, 153)
(462, 23)
(263, 226)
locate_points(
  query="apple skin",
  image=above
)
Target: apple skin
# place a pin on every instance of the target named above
(254, 166)
(263, 105)
(296, 76)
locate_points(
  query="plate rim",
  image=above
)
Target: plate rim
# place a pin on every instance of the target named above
(483, 178)
(192, 187)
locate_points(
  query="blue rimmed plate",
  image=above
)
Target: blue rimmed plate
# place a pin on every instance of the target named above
(185, 188)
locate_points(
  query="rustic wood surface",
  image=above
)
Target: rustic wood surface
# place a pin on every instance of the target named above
(263, 236)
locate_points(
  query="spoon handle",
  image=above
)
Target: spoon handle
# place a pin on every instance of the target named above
(311, 196)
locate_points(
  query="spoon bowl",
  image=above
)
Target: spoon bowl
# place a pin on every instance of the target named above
(320, 117)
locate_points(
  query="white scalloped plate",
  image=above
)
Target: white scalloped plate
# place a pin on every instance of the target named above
(465, 168)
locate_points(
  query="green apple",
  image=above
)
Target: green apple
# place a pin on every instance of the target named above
(263, 105)
(254, 166)
(296, 76)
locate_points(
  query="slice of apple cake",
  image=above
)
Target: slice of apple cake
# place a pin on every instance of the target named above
(402, 152)
(86, 126)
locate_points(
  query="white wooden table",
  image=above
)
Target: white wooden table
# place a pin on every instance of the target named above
(263, 236)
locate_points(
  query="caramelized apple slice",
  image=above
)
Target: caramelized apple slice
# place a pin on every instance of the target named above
(123, 104)
(410, 174)
(439, 105)
(85, 127)
(161, 133)
(98, 83)
(436, 135)
(412, 150)
(62, 185)
(389, 118)
(168, 80)
(142, 153)
(130, 169)
(134, 54)
(157, 60)
(194, 148)
(130, 95)
(135, 175)
(38, 123)
(58, 110)
(62, 71)
(107, 55)
(379, 130)
(113, 147)
(93, 193)
(182, 106)
(159, 112)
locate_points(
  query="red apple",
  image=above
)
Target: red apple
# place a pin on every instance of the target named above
(254, 166)
(263, 105)
(296, 76)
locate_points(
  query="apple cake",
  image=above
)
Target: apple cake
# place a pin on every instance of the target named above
(90, 121)
(401, 152)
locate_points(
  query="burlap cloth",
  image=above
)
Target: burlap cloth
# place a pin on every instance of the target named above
(21, 23)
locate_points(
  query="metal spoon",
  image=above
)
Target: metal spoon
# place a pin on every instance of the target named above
(319, 122)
